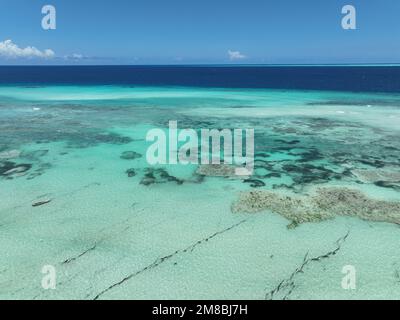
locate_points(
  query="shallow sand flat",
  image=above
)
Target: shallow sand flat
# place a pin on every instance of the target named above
(107, 228)
(386, 118)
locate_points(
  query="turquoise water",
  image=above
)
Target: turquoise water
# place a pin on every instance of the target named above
(117, 228)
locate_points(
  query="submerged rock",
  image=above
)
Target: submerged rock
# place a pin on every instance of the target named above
(325, 204)
(6, 166)
(254, 183)
(288, 142)
(41, 202)
(18, 169)
(155, 176)
(131, 172)
(130, 155)
(9, 168)
(384, 184)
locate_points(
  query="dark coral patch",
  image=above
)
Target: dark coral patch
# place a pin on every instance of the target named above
(155, 176)
(131, 172)
(10, 169)
(254, 183)
(130, 155)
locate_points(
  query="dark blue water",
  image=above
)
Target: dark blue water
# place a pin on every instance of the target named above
(338, 78)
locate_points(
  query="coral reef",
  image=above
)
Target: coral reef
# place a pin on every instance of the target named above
(294, 209)
(254, 183)
(350, 202)
(130, 155)
(154, 176)
(10, 169)
(131, 172)
(324, 204)
(218, 170)
(377, 175)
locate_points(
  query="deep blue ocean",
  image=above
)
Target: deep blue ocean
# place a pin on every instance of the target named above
(337, 78)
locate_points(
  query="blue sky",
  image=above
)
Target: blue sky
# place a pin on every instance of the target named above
(201, 31)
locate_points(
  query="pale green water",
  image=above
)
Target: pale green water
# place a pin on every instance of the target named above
(181, 241)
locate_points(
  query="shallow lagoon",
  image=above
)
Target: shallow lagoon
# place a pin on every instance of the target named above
(111, 236)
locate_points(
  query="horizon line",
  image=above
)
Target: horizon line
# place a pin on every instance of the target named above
(209, 65)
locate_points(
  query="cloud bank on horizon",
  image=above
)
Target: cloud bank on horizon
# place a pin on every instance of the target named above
(11, 50)
(236, 55)
(8, 49)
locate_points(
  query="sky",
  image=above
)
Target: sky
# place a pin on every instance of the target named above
(199, 32)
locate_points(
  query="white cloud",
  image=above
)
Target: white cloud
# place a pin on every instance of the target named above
(236, 55)
(9, 49)
(75, 56)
